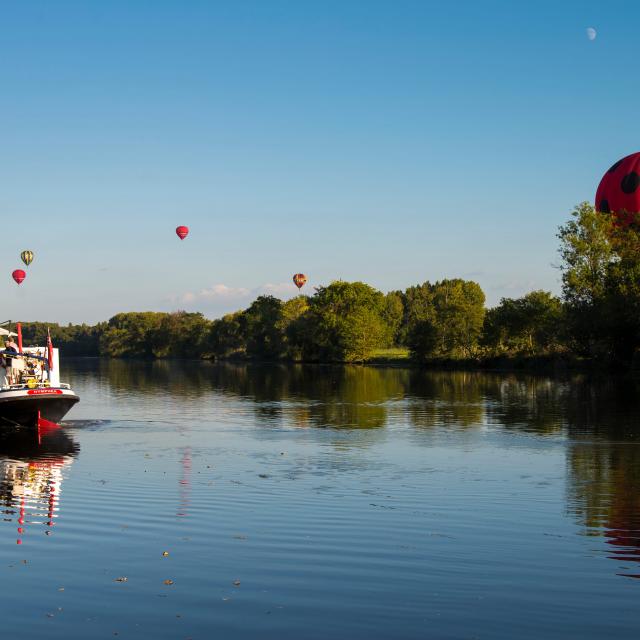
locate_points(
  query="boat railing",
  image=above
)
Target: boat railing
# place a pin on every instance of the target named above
(39, 385)
(27, 370)
(27, 355)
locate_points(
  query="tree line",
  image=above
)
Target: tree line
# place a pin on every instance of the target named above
(597, 316)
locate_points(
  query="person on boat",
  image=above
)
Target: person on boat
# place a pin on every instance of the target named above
(10, 348)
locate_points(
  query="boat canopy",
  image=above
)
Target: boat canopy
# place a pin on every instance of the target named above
(31, 356)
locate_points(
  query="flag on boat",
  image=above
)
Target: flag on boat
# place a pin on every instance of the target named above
(49, 350)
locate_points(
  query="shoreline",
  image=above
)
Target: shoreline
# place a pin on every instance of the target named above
(526, 364)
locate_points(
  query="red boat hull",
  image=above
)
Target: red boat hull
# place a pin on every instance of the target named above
(28, 409)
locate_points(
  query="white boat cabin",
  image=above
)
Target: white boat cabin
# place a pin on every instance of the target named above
(30, 369)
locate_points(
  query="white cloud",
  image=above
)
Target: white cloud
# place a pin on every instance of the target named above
(220, 298)
(216, 292)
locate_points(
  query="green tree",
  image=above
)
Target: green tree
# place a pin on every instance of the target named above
(393, 315)
(586, 252)
(532, 324)
(179, 335)
(345, 322)
(263, 327)
(418, 308)
(622, 298)
(601, 283)
(293, 324)
(72, 340)
(452, 326)
(227, 336)
(128, 334)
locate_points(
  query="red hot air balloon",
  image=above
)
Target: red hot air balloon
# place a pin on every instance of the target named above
(619, 189)
(19, 275)
(299, 280)
(182, 232)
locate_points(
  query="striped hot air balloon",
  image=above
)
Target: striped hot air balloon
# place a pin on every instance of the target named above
(182, 232)
(299, 280)
(27, 257)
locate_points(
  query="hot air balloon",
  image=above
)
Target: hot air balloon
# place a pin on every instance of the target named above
(618, 191)
(27, 257)
(19, 275)
(299, 280)
(182, 232)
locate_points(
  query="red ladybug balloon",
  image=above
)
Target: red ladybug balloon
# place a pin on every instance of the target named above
(182, 232)
(619, 189)
(19, 275)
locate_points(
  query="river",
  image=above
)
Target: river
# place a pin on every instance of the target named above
(193, 500)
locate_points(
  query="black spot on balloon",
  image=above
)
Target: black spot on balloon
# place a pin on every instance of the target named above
(630, 182)
(604, 207)
(614, 166)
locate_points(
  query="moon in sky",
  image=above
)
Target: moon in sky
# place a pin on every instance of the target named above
(591, 33)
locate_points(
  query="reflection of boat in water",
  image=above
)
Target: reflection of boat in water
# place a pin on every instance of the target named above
(31, 473)
(31, 392)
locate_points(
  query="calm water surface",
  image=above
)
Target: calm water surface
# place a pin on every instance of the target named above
(319, 502)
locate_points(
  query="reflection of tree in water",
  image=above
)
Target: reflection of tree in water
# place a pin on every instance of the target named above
(604, 464)
(363, 397)
(462, 398)
(31, 476)
(316, 396)
(445, 398)
(604, 495)
(355, 397)
(526, 403)
(147, 377)
(347, 396)
(306, 395)
(605, 408)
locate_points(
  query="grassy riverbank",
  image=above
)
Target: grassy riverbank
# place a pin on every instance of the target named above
(398, 357)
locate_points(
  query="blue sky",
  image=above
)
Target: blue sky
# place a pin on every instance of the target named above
(389, 142)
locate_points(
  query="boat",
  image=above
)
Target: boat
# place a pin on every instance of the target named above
(31, 394)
